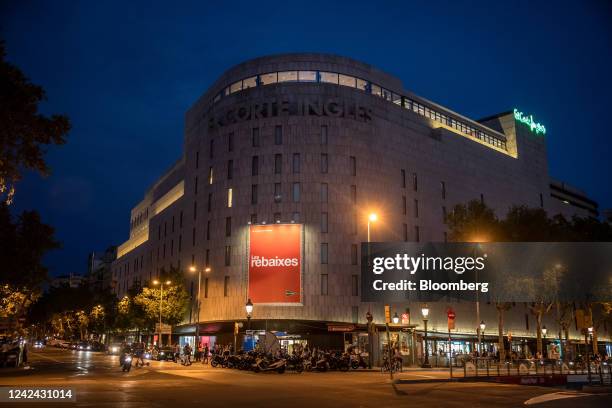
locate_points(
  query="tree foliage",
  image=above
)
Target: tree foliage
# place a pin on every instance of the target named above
(24, 131)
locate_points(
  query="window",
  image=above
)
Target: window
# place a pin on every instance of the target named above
(171, 252)
(278, 164)
(361, 84)
(230, 142)
(278, 135)
(354, 223)
(255, 166)
(376, 90)
(254, 194)
(267, 79)
(205, 288)
(165, 229)
(235, 87)
(324, 163)
(228, 255)
(324, 222)
(444, 214)
(353, 164)
(296, 163)
(324, 284)
(163, 256)
(173, 223)
(354, 194)
(329, 77)
(346, 80)
(482, 198)
(230, 169)
(354, 254)
(193, 238)
(253, 218)
(209, 205)
(417, 233)
(296, 192)
(277, 217)
(181, 219)
(210, 175)
(278, 195)
(287, 76)
(324, 254)
(208, 230)
(405, 230)
(307, 76)
(404, 206)
(415, 182)
(180, 243)
(212, 148)
(443, 189)
(197, 160)
(403, 178)
(295, 217)
(416, 208)
(226, 281)
(255, 136)
(323, 134)
(249, 82)
(541, 200)
(324, 192)
(355, 285)
(195, 213)
(230, 197)
(228, 226)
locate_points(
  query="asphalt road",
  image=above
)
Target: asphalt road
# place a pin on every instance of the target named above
(99, 382)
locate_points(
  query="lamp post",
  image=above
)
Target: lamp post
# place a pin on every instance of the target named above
(544, 331)
(588, 335)
(193, 268)
(371, 328)
(249, 310)
(371, 218)
(161, 297)
(425, 313)
(482, 329)
(395, 318)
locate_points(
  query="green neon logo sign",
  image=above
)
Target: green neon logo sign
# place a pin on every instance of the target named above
(528, 120)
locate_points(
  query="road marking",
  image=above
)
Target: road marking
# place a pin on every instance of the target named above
(46, 357)
(555, 396)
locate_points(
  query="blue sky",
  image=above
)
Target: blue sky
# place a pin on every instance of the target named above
(126, 72)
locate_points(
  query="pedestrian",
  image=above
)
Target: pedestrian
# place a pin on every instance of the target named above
(177, 352)
(205, 356)
(187, 355)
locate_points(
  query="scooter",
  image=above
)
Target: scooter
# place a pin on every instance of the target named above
(358, 361)
(262, 364)
(127, 363)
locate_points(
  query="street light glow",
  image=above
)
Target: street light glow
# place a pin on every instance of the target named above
(544, 330)
(425, 312)
(168, 282)
(395, 318)
(156, 282)
(207, 269)
(249, 307)
(192, 268)
(482, 325)
(373, 217)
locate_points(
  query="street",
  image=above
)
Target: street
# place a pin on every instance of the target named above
(98, 381)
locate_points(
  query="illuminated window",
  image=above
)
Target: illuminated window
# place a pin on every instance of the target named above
(230, 198)
(270, 78)
(347, 81)
(361, 84)
(210, 175)
(397, 99)
(249, 82)
(376, 90)
(287, 76)
(329, 77)
(235, 87)
(307, 76)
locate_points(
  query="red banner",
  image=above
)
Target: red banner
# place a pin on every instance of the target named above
(275, 263)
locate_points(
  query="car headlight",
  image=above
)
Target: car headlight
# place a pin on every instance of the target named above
(114, 349)
(147, 355)
(88, 347)
(162, 353)
(80, 347)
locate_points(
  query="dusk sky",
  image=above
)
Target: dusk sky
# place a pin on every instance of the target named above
(126, 72)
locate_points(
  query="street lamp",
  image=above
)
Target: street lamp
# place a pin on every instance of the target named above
(371, 218)
(395, 318)
(249, 310)
(482, 329)
(425, 313)
(161, 297)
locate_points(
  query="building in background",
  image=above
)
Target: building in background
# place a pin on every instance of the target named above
(71, 280)
(99, 268)
(323, 141)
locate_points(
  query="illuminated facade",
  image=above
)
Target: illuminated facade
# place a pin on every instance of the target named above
(324, 141)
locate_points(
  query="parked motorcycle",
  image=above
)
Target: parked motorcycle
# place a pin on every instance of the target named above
(357, 361)
(265, 364)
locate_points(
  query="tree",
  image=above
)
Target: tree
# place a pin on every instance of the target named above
(473, 222)
(23, 130)
(25, 241)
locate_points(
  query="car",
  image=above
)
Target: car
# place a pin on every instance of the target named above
(163, 354)
(10, 352)
(83, 346)
(114, 349)
(38, 344)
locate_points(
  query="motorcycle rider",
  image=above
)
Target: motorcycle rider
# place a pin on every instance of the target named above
(187, 354)
(205, 354)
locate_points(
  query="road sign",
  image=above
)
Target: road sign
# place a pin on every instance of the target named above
(165, 328)
(387, 314)
(450, 314)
